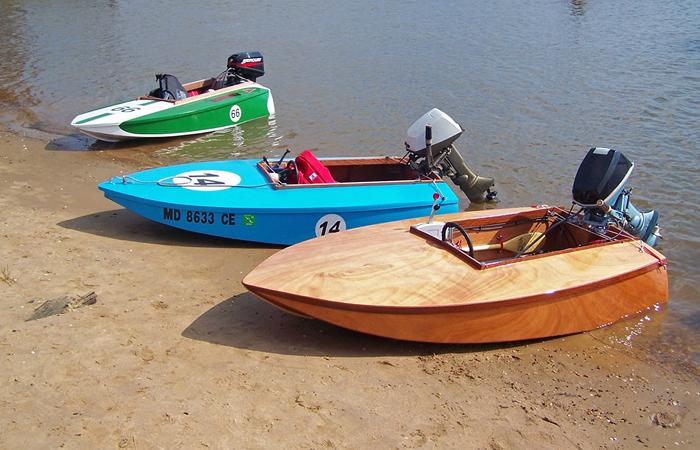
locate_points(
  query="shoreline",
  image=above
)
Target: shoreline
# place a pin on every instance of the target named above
(175, 352)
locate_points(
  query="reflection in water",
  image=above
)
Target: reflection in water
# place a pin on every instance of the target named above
(254, 138)
(632, 329)
(578, 7)
(16, 96)
(249, 140)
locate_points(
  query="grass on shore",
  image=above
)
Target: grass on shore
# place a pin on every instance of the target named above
(6, 276)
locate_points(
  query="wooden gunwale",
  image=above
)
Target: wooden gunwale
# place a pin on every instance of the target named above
(155, 99)
(290, 310)
(389, 160)
(199, 83)
(207, 95)
(552, 296)
(202, 96)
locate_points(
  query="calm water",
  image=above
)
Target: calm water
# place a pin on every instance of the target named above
(534, 85)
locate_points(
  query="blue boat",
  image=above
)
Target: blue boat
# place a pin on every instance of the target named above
(239, 199)
(289, 201)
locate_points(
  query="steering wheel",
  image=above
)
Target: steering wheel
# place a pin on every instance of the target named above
(458, 227)
(289, 174)
(167, 95)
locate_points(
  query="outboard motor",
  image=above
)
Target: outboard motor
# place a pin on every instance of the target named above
(430, 145)
(248, 65)
(240, 67)
(599, 188)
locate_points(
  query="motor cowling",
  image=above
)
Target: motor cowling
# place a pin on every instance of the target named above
(442, 156)
(445, 132)
(248, 65)
(601, 176)
(599, 188)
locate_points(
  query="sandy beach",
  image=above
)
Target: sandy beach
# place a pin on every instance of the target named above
(175, 353)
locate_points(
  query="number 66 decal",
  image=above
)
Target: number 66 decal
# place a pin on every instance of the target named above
(330, 223)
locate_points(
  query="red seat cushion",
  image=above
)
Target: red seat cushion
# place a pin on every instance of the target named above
(311, 170)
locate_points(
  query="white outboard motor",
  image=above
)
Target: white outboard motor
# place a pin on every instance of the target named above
(445, 131)
(430, 145)
(599, 188)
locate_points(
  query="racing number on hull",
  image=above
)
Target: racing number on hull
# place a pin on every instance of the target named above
(207, 180)
(125, 109)
(333, 229)
(235, 113)
(330, 223)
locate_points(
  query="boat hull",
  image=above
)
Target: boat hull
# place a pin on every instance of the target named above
(581, 309)
(250, 208)
(204, 113)
(387, 281)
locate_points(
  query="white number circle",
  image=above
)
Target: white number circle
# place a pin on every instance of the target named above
(330, 223)
(235, 113)
(207, 180)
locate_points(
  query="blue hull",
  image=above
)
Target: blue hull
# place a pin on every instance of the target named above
(235, 199)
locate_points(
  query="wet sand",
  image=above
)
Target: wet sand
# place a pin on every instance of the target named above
(175, 353)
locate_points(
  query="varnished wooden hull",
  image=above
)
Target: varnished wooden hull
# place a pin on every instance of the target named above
(534, 300)
(559, 314)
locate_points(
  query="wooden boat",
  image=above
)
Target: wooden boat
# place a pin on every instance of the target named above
(173, 109)
(402, 280)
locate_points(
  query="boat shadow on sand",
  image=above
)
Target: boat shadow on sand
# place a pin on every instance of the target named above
(246, 322)
(124, 225)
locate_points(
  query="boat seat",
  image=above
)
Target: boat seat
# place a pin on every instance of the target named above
(310, 170)
(169, 88)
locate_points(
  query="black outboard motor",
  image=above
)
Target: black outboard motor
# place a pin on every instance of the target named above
(247, 65)
(599, 188)
(240, 67)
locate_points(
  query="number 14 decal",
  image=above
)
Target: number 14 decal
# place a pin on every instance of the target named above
(330, 223)
(333, 229)
(204, 179)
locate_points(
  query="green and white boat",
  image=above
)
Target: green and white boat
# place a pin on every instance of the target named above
(173, 109)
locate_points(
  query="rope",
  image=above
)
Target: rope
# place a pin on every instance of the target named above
(125, 179)
(643, 247)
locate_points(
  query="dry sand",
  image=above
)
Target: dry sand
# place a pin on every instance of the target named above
(176, 354)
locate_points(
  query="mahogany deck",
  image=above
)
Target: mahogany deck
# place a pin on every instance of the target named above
(387, 281)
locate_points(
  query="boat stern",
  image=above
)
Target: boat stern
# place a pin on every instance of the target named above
(270, 103)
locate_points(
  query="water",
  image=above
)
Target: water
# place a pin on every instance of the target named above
(534, 85)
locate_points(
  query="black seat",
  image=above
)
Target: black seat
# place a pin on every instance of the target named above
(169, 88)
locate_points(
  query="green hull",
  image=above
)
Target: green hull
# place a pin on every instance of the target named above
(221, 111)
